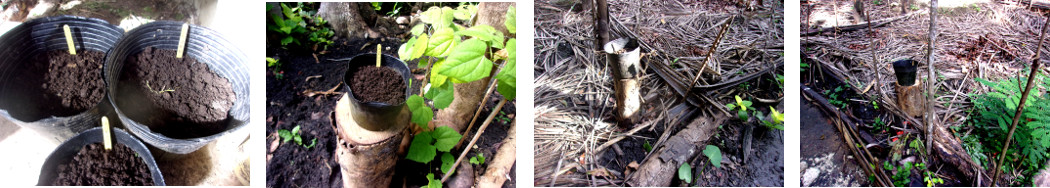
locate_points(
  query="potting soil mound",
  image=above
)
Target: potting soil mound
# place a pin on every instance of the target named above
(94, 166)
(378, 84)
(59, 84)
(176, 97)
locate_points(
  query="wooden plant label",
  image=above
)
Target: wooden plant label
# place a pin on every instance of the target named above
(182, 40)
(379, 54)
(69, 40)
(106, 134)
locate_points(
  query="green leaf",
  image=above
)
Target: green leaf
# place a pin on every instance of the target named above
(481, 158)
(441, 43)
(312, 143)
(507, 77)
(441, 95)
(418, 29)
(285, 135)
(446, 163)
(405, 51)
(432, 183)
(438, 17)
(510, 20)
(295, 130)
(464, 12)
(420, 150)
(714, 154)
(436, 79)
(648, 148)
(446, 138)
(298, 139)
(483, 32)
(468, 63)
(287, 40)
(685, 173)
(474, 160)
(421, 114)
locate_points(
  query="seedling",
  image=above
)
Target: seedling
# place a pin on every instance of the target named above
(714, 155)
(276, 64)
(685, 173)
(649, 148)
(741, 106)
(294, 136)
(776, 119)
(478, 160)
(803, 66)
(162, 89)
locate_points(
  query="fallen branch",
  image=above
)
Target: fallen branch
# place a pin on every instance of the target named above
(500, 165)
(660, 169)
(858, 26)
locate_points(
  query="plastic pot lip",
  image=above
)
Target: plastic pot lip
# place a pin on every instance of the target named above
(905, 65)
(398, 64)
(92, 136)
(206, 46)
(625, 44)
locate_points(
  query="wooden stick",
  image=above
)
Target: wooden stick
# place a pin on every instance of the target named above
(379, 54)
(931, 77)
(69, 40)
(182, 40)
(1020, 106)
(475, 139)
(106, 134)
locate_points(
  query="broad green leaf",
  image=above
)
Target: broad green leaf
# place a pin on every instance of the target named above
(474, 160)
(483, 32)
(438, 17)
(405, 51)
(446, 162)
(441, 43)
(420, 46)
(468, 63)
(421, 114)
(287, 40)
(465, 11)
(685, 173)
(423, 63)
(420, 150)
(436, 79)
(295, 130)
(285, 135)
(441, 95)
(714, 154)
(510, 20)
(507, 76)
(648, 148)
(432, 183)
(446, 138)
(418, 29)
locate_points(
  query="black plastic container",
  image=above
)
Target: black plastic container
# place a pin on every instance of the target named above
(202, 44)
(65, 152)
(375, 116)
(38, 36)
(905, 71)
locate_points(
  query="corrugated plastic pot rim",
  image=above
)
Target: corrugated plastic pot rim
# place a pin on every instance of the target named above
(375, 116)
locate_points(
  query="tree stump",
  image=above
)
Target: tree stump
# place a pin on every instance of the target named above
(910, 99)
(367, 158)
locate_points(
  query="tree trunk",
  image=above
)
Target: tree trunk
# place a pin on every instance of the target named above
(350, 20)
(500, 165)
(469, 95)
(367, 158)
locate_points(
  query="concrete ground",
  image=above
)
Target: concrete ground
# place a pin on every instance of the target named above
(215, 164)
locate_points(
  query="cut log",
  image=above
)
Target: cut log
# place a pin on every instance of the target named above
(910, 99)
(660, 167)
(624, 61)
(367, 158)
(500, 165)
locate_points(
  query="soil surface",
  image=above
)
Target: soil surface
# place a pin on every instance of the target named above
(290, 105)
(764, 165)
(378, 84)
(94, 166)
(179, 98)
(60, 84)
(826, 162)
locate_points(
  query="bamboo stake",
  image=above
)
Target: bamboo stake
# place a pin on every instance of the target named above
(106, 140)
(69, 40)
(182, 40)
(1020, 106)
(931, 78)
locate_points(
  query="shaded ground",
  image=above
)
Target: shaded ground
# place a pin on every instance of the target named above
(826, 162)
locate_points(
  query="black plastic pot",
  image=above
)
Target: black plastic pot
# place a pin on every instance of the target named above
(65, 152)
(375, 116)
(39, 36)
(202, 44)
(905, 71)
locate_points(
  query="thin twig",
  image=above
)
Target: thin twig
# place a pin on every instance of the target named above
(1020, 106)
(711, 51)
(477, 135)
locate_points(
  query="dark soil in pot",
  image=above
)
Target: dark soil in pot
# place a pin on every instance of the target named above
(60, 83)
(94, 166)
(179, 98)
(378, 84)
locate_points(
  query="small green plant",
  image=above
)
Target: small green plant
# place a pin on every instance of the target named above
(900, 176)
(877, 2)
(994, 112)
(685, 173)
(276, 64)
(742, 106)
(714, 155)
(880, 125)
(834, 96)
(431, 182)
(293, 135)
(914, 7)
(298, 28)
(395, 8)
(975, 7)
(780, 81)
(803, 66)
(648, 148)
(478, 160)
(776, 119)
